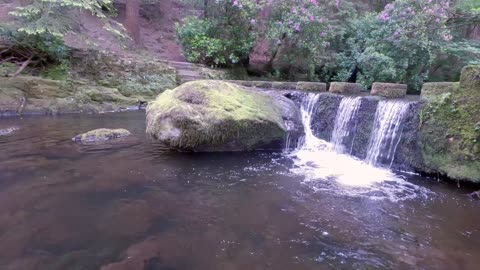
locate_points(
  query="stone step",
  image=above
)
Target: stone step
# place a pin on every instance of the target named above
(190, 68)
(182, 73)
(180, 64)
(185, 79)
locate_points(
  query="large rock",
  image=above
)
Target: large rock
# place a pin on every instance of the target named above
(221, 116)
(389, 90)
(101, 135)
(450, 129)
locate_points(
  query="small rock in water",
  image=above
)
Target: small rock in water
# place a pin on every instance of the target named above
(101, 135)
(8, 131)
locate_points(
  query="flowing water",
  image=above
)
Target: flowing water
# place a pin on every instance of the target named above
(345, 115)
(130, 204)
(386, 133)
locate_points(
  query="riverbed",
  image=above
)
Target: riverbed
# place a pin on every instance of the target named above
(131, 204)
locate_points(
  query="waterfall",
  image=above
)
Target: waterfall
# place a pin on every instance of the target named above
(339, 173)
(315, 159)
(386, 132)
(309, 141)
(345, 114)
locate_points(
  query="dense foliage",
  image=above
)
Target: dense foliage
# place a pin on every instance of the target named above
(359, 41)
(224, 37)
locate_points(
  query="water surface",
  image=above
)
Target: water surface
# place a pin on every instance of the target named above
(132, 205)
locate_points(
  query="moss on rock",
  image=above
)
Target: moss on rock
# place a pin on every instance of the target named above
(433, 90)
(101, 135)
(36, 95)
(450, 132)
(216, 116)
(135, 77)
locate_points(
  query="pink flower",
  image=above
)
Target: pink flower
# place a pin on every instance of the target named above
(312, 18)
(297, 27)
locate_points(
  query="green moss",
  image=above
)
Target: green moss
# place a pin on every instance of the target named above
(35, 95)
(205, 115)
(136, 77)
(60, 72)
(7, 68)
(102, 134)
(450, 137)
(433, 90)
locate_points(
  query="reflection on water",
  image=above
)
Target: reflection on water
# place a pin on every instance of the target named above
(131, 205)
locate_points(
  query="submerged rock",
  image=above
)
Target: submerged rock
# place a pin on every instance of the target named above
(220, 116)
(101, 135)
(8, 131)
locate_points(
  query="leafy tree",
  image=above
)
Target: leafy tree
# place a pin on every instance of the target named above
(399, 44)
(53, 17)
(224, 37)
(35, 39)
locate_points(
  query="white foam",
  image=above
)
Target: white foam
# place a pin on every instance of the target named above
(326, 169)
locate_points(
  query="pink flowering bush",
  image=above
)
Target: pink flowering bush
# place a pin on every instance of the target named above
(399, 44)
(304, 28)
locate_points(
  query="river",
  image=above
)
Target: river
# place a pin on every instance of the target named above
(130, 204)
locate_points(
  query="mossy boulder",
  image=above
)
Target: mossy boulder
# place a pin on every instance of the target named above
(389, 90)
(101, 135)
(220, 116)
(450, 129)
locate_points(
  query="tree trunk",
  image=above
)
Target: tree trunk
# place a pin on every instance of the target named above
(205, 9)
(132, 19)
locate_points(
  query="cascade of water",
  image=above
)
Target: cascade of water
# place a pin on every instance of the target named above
(309, 141)
(386, 132)
(315, 159)
(345, 114)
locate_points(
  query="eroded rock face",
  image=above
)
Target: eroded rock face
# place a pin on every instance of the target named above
(25, 95)
(219, 116)
(101, 135)
(450, 129)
